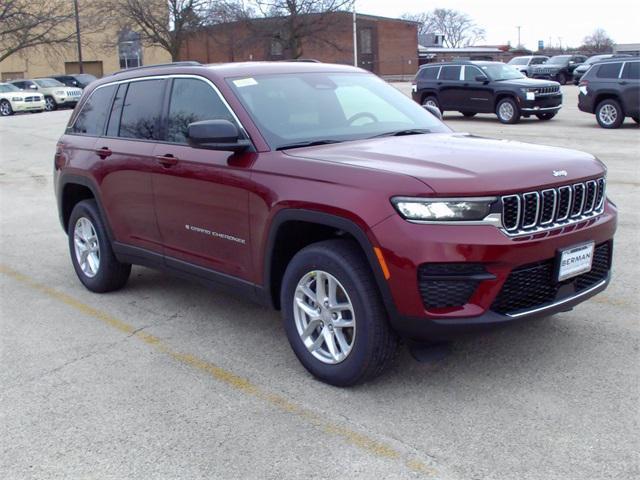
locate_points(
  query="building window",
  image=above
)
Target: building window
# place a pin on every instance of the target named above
(129, 49)
(366, 46)
(277, 49)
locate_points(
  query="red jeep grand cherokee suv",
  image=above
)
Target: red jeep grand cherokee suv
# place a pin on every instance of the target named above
(323, 191)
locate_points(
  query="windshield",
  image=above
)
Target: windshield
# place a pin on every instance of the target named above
(559, 60)
(292, 109)
(85, 78)
(48, 83)
(6, 88)
(519, 61)
(597, 58)
(499, 71)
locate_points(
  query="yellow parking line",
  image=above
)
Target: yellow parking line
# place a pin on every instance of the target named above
(360, 440)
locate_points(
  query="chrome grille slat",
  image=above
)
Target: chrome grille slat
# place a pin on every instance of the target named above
(536, 211)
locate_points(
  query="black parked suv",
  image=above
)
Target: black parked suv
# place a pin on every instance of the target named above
(486, 87)
(611, 90)
(559, 68)
(80, 80)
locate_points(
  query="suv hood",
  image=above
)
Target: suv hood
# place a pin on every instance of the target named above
(460, 163)
(529, 83)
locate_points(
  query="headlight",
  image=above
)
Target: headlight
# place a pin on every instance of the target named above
(529, 93)
(443, 209)
(60, 92)
(17, 99)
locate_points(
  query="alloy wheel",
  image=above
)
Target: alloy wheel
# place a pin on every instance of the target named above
(324, 317)
(506, 111)
(5, 108)
(87, 247)
(49, 104)
(608, 114)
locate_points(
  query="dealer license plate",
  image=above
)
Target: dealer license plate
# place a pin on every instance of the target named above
(575, 261)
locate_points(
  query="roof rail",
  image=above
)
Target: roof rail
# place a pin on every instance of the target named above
(304, 60)
(172, 64)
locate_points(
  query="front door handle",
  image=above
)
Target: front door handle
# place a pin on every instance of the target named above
(103, 152)
(623, 82)
(167, 161)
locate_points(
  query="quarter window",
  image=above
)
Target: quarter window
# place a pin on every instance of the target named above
(142, 109)
(631, 71)
(193, 100)
(450, 73)
(92, 118)
(609, 70)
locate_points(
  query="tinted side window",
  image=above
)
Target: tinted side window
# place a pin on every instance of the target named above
(450, 73)
(538, 61)
(193, 100)
(116, 111)
(142, 109)
(609, 70)
(92, 118)
(429, 73)
(470, 73)
(631, 71)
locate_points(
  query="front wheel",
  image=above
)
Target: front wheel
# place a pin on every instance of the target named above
(545, 116)
(91, 253)
(508, 111)
(431, 101)
(50, 104)
(5, 108)
(609, 113)
(333, 314)
(561, 79)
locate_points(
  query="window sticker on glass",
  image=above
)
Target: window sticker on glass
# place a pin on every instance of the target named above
(245, 82)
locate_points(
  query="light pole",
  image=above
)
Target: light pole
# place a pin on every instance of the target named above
(519, 27)
(75, 7)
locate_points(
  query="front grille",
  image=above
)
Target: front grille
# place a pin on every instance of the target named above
(534, 211)
(30, 99)
(544, 91)
(447, 285)
(533, 286)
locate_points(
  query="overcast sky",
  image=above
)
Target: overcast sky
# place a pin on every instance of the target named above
(540, 19)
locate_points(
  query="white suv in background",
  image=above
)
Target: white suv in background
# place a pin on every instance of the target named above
(56, 94)
(12, 100)
(522, 64)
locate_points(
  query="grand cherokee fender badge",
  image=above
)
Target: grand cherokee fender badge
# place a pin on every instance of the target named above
(560, 173)
(211, 233)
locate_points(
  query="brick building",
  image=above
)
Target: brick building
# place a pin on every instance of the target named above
(386, 46)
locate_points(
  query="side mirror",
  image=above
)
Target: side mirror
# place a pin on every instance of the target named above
(33, 87)
(216, 135)
(433, 111)
(482, 78)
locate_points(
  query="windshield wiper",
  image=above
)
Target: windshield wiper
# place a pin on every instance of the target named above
(312, 143)
(400, 133)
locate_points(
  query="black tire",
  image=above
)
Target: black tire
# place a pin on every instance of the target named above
(111, 274)
(468, 114)
(374, 344)
(546, 116)
(50, 104)
(611, 105)
(5, 108)
(432, 100)
(561, 78)
(636, 119)
(515, 117)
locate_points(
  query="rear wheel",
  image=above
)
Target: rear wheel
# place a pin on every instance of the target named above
(508, 111)
(468, 114)
(561, 78)
(333, 314)
(431, 101)
(91, 253)
(545, 116)
(5, 108)
(609, 113)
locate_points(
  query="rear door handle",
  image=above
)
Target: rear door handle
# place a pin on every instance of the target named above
(103, 152)
(167, 161)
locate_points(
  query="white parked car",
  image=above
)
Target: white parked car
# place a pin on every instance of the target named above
(12, 100)
(56, 94)
(523, 64)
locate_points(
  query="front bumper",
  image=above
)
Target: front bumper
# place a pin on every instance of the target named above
(542, 104)
(28, 106)
(64, 101)
(406, 246)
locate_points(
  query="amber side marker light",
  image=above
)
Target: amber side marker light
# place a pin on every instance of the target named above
(382, 262)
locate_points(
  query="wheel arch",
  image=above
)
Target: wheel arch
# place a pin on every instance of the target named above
(607, 95)
(289, 223)
(499, 96)
(74, 189)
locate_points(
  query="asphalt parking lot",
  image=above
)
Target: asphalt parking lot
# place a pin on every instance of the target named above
(166, 379)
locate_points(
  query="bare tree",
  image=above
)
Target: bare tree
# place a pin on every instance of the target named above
(295, 21)
(458, 28)
(421, 19)
(231, 19)
(34, 23)
(162, 23)
(598, 42)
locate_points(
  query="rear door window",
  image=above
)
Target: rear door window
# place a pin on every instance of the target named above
(450, 72)
(631, 71)
(193, 100)
(609, 70)
(142, 110)
(93, 117)
(470, 73)
(429, 73)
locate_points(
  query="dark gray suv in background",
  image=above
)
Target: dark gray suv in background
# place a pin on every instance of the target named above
(611, 90)
(486, 87)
